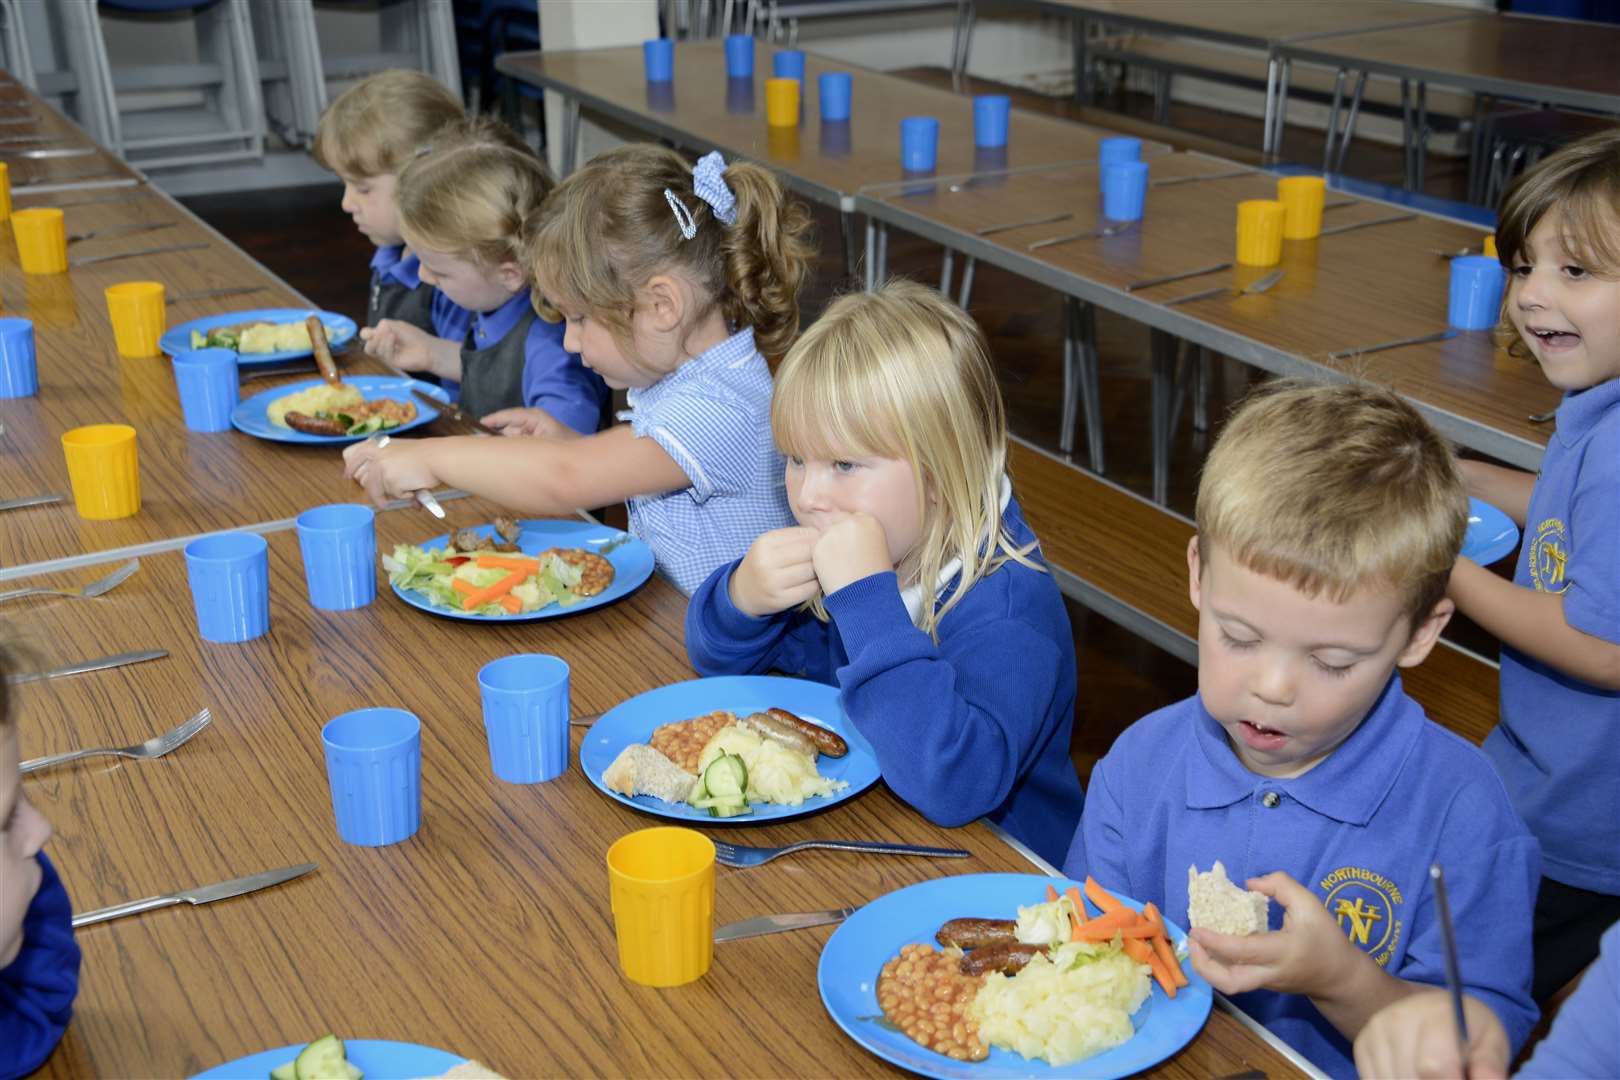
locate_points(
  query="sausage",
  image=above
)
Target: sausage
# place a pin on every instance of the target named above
(507, 529)
(322, 351)
(829, 742)
(315, 425)
(778, 731)
(976, 933)
(1008, 958)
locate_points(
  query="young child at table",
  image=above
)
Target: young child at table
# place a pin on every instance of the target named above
(39, 961)
(367, 136)
(462, 206)
(1557, 745)
(1328, 521)
(911, 579)
(670, 280)
(1418, 1037)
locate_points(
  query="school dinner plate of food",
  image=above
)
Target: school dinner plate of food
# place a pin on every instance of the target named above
(321, 413)
(1024, 987)
(260, 335)
(729, 750)
(514, 570)
(348, 1059)
(1491, 534)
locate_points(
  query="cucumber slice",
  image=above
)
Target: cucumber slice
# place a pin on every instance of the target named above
(323, 1059)
(726, 776)
(281, 1072)
(731, 809)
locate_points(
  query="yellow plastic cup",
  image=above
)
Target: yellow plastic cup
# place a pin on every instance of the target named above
(5, 191)
(1490, 245)
(662, 887)
(1302, 198)
(104, 470)
(41, 240)
(1259, 232)
(782, 102)
(138, 316)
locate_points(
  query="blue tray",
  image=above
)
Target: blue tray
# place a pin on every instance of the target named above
(632, 566)
(177, 339)
(858, 949)
(251, 415)
(379, 1059)
(633, 721)
(1491, 534)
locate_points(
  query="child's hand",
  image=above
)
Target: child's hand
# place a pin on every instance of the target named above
(398, 343)
(392, 471)
(533, 423)
(776, 574)
(1304, 957)
(850, 549)
(1416, 1036)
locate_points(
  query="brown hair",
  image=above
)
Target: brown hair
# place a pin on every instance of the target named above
(377, 125)
(1334, 487)
(471, 193)
(1582, 181)
(608, 229)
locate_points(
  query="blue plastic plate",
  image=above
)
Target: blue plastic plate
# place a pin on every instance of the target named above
(1491, 534)
(379, 1059)
(632, 565)
(251, 415)
(633, 721)
(858, 949)
(341, 331)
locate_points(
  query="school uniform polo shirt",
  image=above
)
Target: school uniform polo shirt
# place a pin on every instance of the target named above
(397, 291)
(1359, 831)
(1557, 745)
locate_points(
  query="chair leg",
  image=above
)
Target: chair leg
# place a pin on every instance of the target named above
(870, 260)
(1164, 359)
(1071, 346)
(1203, 373)
(968, 266)
(1091, 385)
(947, 263)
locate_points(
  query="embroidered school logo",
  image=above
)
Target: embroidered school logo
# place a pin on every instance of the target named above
(1365, 904)
(1548, 554)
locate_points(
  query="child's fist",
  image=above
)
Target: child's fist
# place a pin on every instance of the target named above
(851, 548)
(1416, 1036)
(531, 423)
(392, 471)
(1303, 957)
(776, 574)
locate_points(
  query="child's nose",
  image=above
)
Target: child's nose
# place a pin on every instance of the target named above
(1531, 292)
(1274, 683)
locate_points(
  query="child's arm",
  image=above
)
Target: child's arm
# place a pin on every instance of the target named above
(556, 381)
(1099, 845)
(531, 476)
(1506, 489)
(726, 638)
(1418, 1037)
(1535, 624)
(38, 987)
(410, 348)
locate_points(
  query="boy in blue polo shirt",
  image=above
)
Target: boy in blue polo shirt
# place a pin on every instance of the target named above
(1328, 521)
(39, 961)
(1557, 745)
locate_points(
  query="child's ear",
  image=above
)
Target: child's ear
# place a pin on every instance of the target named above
(664, 303)
(1194, 572)
(510, 276)
(1425, 633)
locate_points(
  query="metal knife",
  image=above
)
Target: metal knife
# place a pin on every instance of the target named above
(31, 500)
(1390, 220)
(773, 924)
(1398, 343)
(88, 259)
(451, 412)
(203, 894)
(209, 294)
(1168, 278)
(50, 181)
(99, 664)
(41, 155)
(991, 230)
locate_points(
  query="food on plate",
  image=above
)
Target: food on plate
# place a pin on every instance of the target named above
(324, 1059)
(796, 734)
(774, 772)
(315, 399)
(641, 770)
(1067, 1003)
(507, 529)
(489, 583)
(923, 994)
(972, 933)
(469, 1070)
(682, 741)
(1214, 903)
(362, 418)
(471, 541)
(257, 337)
(595, 572)
(1006, 957)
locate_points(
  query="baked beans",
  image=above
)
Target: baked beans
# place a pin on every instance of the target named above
(925, 995)
(683, 741)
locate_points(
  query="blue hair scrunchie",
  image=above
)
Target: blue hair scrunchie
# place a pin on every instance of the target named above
(708, 184)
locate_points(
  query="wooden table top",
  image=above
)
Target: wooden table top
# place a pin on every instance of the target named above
(488, 933)
(826, 162)
(1255, 23)
(1358, 288)
(1560, 61)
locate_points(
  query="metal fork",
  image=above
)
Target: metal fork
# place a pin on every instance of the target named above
(1249, 290)
(742, 855)
(120, 230)
(154, 747)
(1053, 241)
(95, 588)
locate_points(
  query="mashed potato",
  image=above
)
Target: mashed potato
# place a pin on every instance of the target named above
(313, 400)
(1070, 1006)
(775, 773)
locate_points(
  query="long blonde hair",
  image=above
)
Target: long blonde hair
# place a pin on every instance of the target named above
(903, 373)
(379, 124)
(471, 193)
(608, 229)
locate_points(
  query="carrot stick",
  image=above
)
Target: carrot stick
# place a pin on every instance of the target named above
(1099, 896)
(508, 562)
(1142, 953)
(1161, 943)
(462, 585)
(1073, 893)
(479, 597)
(1103, 926)
(512, 604)
(1051, 894)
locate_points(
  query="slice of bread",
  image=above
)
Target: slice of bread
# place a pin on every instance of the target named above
(641, 770)
(469, 1070)
(1214, 903)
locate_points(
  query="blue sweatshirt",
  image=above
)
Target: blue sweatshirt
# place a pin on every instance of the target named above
(1585, 1038)
(976, 726)
(37, 988)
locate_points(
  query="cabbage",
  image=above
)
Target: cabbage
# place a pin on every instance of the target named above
(1045, 924)
(424, 571)
(1068, 1004)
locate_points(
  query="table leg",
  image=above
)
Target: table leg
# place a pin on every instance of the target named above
(1164, 359)
(1071, 333)
(1082, 67)
(1282, 108)
(1272, 64)
(961, 42)
(846, 232)
(882, 270)
(946, 264)
(1406, 133)
(871, 254)
(570, 134)
(967, 282)
(1333, 120)
(1202, 373)
(1350, 122)
(1091, 385)
(1420, 148)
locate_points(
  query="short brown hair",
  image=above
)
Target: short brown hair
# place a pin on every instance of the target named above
(472, 193)
(377, 125)
(608, 229)
(1331, 488)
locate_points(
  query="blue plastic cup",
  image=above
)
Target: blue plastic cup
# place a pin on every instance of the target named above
(230, 585)
(1124, 190)
(1477, 282)
(19, 372)
(374, 766)
(990, 115)
(526, 716)
(836, 87)
(1119, 148)
(339, 545)
(919, 143)
(659, 53)
(207, 381)
(788, 64)
(740, 56)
